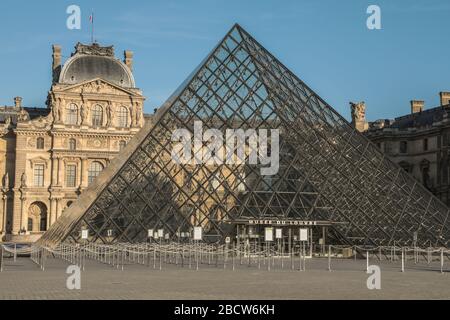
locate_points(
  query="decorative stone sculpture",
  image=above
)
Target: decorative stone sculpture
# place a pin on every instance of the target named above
(23, 115)
(83, 113)
(358, 111)
(110, 113)
(6, 181)
(359, 116)
(138, 113)
(23, 180)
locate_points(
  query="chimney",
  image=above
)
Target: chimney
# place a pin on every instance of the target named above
(128, 59)
(18, 102)
(445, 98)
(56, 67)
(417, 106)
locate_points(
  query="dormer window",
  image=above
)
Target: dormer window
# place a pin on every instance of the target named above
(40, 143)
(122, 117)
(97, 116)
(72, 145)
(72, 114)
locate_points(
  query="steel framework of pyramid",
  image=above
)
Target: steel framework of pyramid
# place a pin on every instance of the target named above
(328, 171)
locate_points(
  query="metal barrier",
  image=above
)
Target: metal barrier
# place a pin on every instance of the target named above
(196, 255)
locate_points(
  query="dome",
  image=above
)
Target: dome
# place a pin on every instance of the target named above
(91, 62)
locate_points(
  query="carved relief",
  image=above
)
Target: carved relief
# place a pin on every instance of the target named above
(95, 49)
(97, 143)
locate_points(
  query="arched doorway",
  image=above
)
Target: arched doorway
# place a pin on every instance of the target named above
(37, 217)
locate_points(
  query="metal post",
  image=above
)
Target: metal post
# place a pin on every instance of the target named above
(367, 261)
(190, 255)
(300, 252)
(15, 252)
(196, 252)
(329, 258)
(403, 260)
(232, 255)
(304, 256)
(160, 257)
(154, 255)
(442, 260)
(225, 255)
(1, 258)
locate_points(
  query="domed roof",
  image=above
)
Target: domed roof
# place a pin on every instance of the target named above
(93, 61)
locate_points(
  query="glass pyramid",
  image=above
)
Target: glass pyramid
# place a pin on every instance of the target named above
(327, 170)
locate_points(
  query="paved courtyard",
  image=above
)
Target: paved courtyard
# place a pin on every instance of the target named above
(24, 280)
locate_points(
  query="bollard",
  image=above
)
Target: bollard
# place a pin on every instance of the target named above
(15, 252)
(442, 260)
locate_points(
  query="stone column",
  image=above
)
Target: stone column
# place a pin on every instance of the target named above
(58, 208)
(3, 216)
(23, 217)
(60, 183)
(54, 171)
(83, 173)
(52, 211)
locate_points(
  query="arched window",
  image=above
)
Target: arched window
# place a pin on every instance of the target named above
(30, 224)
(37, 212)
(72, 144)
(40, 143)
(72, 114)
(122, 145)
(97, 116)
(94, 170)
(122, 117)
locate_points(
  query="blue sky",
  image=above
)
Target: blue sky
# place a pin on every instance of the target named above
(326, 43)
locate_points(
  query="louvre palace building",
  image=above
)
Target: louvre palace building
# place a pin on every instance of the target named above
(50, 155)
(418, 141)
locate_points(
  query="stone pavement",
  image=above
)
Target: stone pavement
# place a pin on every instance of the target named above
(24, 280)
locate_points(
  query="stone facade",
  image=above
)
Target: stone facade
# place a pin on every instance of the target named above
(48, 156)
(419, 142)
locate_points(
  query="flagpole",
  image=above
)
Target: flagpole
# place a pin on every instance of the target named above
(92, 28)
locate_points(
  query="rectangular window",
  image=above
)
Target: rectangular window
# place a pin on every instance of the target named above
(425, 144)
(403, 147)
(38, 175)
(387, 147)
(71, 176)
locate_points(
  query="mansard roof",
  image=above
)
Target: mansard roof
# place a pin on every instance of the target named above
(93, 61)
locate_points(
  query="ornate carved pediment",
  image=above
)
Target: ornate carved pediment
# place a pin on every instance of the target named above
(40, 123)
(97, 86)
(94, 49)
(39, 160)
